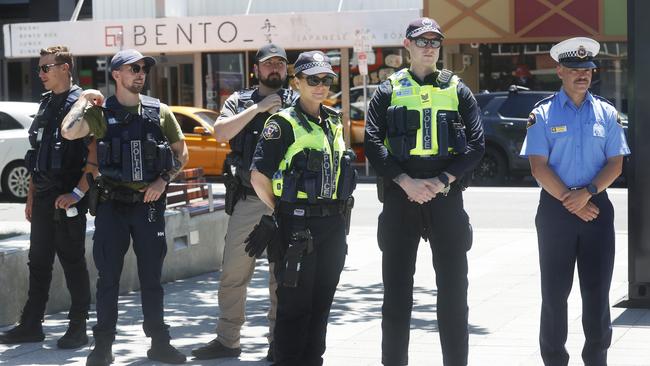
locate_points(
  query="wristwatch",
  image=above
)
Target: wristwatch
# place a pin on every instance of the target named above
(165, 176)
(444, 179)
(592, 189)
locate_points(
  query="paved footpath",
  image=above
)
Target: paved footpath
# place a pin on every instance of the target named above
(504, 312)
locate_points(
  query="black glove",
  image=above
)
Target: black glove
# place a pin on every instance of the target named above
(261, 236)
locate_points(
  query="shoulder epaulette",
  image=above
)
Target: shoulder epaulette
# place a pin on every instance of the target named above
(604, 100)
(545, 100)
(332, 112)
(444, 77)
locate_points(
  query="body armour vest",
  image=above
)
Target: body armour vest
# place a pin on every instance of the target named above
(52, 158)
(423, 120)
(243, 144)
(134, 148)
(314, 167)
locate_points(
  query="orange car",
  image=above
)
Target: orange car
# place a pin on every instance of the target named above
(204, 150)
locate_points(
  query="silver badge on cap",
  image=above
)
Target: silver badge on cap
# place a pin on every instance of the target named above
(318, 57)
(582, 52)
(427, 22)
(273, 49)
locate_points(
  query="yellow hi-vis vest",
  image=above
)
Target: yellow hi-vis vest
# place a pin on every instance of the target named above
(427, 100)
(314, 140)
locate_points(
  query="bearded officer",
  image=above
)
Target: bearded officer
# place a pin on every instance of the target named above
(140, 149)
(241, 121)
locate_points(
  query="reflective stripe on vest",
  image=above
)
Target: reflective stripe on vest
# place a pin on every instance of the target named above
(314, 140)
(427, 100)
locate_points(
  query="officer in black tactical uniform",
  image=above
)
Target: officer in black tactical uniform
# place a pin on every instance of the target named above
(242, 120)
(140, 148)
(55, 206)
(302, 170)
(423, 136)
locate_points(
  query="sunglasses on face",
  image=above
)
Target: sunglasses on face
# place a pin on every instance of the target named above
(135, 68)
(275, 65)
(423, 42)
(46, 68)
(313, 80)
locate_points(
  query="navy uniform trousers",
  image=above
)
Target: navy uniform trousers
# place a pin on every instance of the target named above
(52, 232)
(303, 311)
(564, 240)
(401, 226)
(115, 224)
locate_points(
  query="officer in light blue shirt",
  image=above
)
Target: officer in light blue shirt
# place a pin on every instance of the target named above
(575, 144)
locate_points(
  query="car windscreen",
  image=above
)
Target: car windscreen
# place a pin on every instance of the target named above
(520, 105)
(207, 117)
(483, 100)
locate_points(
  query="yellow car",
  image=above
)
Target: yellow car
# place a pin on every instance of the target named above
(205, 151)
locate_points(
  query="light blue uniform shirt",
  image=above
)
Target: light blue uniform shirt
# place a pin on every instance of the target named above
(576, 140)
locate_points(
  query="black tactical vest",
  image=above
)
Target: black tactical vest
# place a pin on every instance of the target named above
(54, 161)
(134, 148)
(243, 144)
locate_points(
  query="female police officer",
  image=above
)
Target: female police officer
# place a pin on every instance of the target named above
(302, 171)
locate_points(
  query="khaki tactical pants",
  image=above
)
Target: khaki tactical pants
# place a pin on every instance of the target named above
(237, 272)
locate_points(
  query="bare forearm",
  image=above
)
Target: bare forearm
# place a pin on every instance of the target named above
(73, 125)
(181, 156)
(609, 173)
(263, 188)
(547, 178)
(228, 127)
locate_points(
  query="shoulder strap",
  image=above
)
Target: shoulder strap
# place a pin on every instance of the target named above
(444, 78)
(150, 108)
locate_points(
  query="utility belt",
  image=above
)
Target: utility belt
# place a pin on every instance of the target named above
(312, 210)
(384, 185)
(101, 190)
(403, 124)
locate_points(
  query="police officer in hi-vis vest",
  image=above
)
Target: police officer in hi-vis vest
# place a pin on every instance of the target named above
(302, 171)
(56, 206)
(140, 148)
(424, 137)
(241, 121)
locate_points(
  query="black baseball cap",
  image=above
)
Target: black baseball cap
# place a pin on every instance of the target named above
(129, 56)
(270, 50)
(312, 63)
(420, 26)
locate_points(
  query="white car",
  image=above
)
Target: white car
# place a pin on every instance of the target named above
(15, 119)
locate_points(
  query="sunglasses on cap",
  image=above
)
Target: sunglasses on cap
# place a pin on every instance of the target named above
(46, 68)
(313, 80)
(135, 68)
(423, 42)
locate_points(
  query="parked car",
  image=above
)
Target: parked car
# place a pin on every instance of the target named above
(205, 151)
(15, 119)
(505, 115)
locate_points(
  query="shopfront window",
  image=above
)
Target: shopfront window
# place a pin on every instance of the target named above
(531, 66)
(223, 74)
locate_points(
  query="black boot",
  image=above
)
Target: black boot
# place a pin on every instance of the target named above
(102, 354)
(162, 351)
(75, 336)
(29, 329)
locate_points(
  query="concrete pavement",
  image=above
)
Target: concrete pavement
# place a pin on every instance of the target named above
(503, 297)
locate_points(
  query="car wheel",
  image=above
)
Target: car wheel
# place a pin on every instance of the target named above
(492, 169)
(15, 181)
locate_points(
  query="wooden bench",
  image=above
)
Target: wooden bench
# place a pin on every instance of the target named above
(190, 191)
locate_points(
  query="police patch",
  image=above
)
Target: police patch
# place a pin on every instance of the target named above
(272, 131)
(531, 120)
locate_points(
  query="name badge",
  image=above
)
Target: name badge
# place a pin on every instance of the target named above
(599, 130)
(558, 129)
(404, 92)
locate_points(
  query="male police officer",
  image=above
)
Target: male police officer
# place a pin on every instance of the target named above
(302, 171)
(423, 134)
(55, 206)
(241, 121)
(575, 145)
(140, 149)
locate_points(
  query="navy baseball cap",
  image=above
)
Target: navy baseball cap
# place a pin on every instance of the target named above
(312, 63)
(270, 50)
(576, 53)
(420, 26)
(129, 56)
